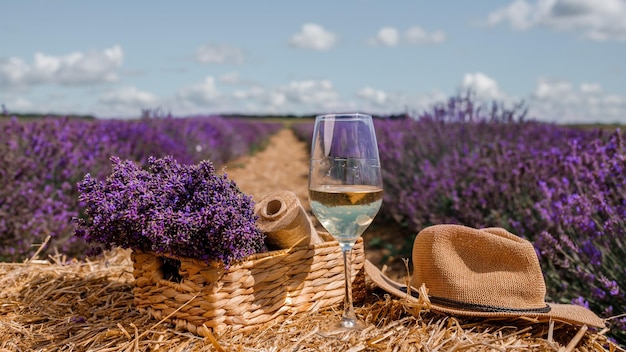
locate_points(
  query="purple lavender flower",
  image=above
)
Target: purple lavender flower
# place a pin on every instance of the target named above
(172, 209)
(580, 301)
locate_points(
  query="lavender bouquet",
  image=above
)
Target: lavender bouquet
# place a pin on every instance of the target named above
(169, 209)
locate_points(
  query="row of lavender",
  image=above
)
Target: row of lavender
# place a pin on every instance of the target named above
(42, 161)
(562, 188)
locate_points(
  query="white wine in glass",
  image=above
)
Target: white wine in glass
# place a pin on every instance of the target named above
(345, 186)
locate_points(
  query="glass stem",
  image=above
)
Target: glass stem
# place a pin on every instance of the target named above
(348, 319)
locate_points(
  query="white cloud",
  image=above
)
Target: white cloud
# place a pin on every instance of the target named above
(383, 102)
(310, 92)
(482, 85)
(386, 36)
(561, 101)
(599, 20)
(295, 97)
(13, 73)
(417, 35)
(201, 94)
(52, 102)
(18, 104)
(551, 100)
(313, 36)
(276, 99)
(558, 101)
(555, 100)
(267, 100)
(234, 79)
(518, 14)
(212, 53)
(128, 97)
(230, 78)
(590, 88)
(124, 102)
(375, 96)
(78, 68)
(549, 89)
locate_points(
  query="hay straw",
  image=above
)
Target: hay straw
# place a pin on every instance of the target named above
(60, 305)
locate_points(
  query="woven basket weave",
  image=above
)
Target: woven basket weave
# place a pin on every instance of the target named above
(266, 287)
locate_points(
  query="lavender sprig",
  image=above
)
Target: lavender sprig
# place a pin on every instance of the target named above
(170, 208)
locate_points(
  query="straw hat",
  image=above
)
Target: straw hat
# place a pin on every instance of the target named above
(481, 273)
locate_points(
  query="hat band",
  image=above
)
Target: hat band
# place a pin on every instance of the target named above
(479, 307)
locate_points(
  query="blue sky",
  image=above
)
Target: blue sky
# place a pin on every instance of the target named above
(566, 59)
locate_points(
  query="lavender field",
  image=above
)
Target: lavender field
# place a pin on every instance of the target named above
(563, 188)
(42, 161)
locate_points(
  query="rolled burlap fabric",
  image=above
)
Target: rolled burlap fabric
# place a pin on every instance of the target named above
(284, 221)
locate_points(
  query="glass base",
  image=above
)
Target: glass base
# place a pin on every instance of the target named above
(342, 326)
(347, 324)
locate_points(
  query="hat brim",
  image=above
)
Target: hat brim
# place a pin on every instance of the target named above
(568, 313)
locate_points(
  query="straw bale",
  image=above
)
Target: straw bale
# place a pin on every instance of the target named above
(68, 305)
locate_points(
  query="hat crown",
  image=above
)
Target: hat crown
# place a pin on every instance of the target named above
(488, 267)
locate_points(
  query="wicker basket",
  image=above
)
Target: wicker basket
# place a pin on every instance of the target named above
(266, 287)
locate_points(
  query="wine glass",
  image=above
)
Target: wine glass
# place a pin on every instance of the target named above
(345, 186)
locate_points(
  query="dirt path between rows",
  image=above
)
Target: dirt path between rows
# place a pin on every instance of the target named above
(282, 166)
